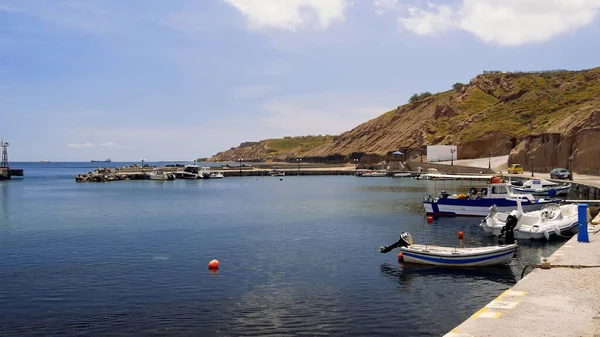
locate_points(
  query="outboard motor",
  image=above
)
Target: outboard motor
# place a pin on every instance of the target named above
(444, 194)
(405, 241)
(508, 231)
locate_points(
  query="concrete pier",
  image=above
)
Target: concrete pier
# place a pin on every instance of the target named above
(6, 173)
(104, 175)
(561, 301)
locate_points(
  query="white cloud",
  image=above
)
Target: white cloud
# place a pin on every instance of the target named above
(290, 14)
(80, 145)
(108, 144)
(506, 22)
(251, 91)
(384, 6)
(515, 22)
(428, 22)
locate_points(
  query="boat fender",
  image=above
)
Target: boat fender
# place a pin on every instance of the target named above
(484, 191)
(473, 190)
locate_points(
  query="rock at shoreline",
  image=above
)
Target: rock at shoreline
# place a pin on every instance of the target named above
(108, 174)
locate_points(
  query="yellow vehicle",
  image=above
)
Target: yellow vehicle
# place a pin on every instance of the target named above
(515, 168)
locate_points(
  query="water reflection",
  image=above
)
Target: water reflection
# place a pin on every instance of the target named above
(406, 274)
(4, 204)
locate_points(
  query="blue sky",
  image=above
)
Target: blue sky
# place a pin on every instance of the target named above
(180, 79)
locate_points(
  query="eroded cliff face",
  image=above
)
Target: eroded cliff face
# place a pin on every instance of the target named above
(580, 142)
(548, 115)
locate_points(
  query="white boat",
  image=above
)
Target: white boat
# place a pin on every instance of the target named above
(160, 174)
(276, 173)
(371, 174)
(478, 203)
(541, 187)
(190, 172)
(439, 176)
(550, 221)
(452, 256)
(207, 173)
(402, 175)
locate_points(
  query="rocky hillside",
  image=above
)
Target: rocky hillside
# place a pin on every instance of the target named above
(283, 149)
(547, 115)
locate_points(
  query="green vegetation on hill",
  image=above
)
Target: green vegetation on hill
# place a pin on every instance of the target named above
(419, 97)
(298, 144)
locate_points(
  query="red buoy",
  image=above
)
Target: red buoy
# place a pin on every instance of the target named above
(429, 219)
(213, 264)
(461, 235)
(400, 257)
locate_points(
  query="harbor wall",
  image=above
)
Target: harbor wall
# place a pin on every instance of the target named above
(587, 192)
(448, 169)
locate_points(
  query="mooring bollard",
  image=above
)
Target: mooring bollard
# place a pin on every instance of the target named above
(582, 234)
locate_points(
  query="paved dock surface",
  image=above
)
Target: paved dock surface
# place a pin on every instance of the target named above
(562, 301)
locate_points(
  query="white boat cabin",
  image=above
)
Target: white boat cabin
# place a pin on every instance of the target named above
(492, 191)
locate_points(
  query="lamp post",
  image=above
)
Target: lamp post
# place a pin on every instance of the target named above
(241, 160)
(452, 158)
(489, 159)
(142, 165)
(570, 165)
(298, 160)
(532, 158)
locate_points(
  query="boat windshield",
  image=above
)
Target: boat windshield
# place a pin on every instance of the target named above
(191, 169)
(499, 190)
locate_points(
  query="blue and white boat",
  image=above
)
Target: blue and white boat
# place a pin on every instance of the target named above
(453, 256)
(478, 204)
(541, 187)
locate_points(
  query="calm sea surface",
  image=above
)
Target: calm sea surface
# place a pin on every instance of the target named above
(299, 256)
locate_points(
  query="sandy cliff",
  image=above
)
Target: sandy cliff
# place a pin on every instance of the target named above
(549, 115)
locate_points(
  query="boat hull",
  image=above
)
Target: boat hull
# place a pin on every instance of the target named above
(568, 230)
(536, 225)
(185, 175)
(563, 190)
(481, 207)
(486, 256)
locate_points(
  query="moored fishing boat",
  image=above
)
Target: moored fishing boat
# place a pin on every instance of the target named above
(478, 203)
(190, 172)
(207, 173)
(371, 174)
(160, 174)
(453, 256)
(541, 187)
(276, 173)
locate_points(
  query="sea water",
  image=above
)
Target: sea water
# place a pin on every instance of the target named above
(299, 255)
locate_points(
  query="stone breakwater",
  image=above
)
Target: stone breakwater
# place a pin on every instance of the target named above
(108, 174)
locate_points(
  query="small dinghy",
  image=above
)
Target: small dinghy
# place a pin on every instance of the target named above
(552, 220)
(454, 256)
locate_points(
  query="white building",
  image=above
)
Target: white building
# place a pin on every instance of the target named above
(441, 153)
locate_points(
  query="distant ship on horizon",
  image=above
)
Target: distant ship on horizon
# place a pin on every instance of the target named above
(102, 161)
